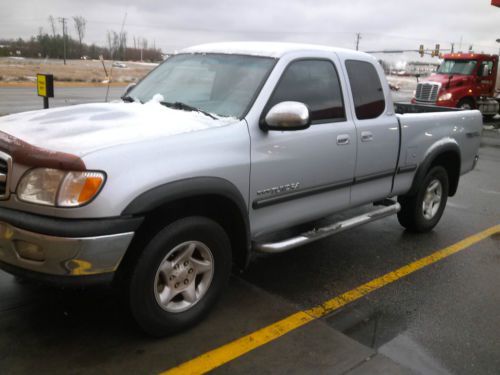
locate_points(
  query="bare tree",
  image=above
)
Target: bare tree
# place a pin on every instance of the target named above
(80, 26)
(123, 44)
(52, 23)
(113, 39)
(109, 39)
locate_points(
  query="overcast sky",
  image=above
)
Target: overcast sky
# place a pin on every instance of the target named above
(172, 25)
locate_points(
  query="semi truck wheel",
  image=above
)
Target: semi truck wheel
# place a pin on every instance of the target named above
(466, 103)
(179, 275)
(422, 211)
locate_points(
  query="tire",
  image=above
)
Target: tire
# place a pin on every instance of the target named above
(466, 103)
(488, 118)
(194, 255)
(419, 213)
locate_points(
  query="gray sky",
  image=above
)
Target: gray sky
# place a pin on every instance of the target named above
(383, 24)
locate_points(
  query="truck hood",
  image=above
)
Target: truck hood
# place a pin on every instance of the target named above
(82, 129)
(456, 80)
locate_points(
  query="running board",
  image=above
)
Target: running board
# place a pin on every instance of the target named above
(317, 234)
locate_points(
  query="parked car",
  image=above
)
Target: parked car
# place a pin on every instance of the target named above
(218, 148)
(118, 64)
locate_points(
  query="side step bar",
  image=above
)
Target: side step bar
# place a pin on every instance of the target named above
(317, 234)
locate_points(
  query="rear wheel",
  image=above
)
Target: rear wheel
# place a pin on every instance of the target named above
(180, 275)
(421, 212)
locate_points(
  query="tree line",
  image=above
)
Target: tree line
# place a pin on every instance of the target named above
(57, 44)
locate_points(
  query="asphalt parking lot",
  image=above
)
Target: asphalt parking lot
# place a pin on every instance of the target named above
(375, 300)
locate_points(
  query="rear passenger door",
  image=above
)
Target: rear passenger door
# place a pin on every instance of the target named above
(377, 132)
(298, 176)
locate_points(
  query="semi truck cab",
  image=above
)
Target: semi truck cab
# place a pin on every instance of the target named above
(463, 80)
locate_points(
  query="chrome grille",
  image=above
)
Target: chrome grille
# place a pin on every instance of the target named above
(5, 169)
(427, 92)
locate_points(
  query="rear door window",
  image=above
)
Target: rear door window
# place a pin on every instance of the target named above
(367, 92)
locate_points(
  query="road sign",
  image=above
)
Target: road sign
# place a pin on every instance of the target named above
(45, 87)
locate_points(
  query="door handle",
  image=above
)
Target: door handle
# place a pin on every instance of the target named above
(343, 139)
(366, 136)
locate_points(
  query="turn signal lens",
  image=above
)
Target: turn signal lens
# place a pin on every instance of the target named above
(79, 188)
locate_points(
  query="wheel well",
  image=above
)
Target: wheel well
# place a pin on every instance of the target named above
(469, 99)
(450, 161)
(218, 208)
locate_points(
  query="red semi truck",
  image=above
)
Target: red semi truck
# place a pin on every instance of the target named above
(463, 80)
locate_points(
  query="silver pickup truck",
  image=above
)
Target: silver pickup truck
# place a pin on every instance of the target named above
(215, 150)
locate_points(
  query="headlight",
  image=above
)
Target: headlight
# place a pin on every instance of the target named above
(52, 187)
(446, 96)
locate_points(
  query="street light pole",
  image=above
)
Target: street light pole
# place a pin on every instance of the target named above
(498, 41)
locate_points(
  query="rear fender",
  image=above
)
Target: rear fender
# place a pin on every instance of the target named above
(437, 154)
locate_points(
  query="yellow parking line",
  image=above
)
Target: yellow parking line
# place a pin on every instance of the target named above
(245, 344)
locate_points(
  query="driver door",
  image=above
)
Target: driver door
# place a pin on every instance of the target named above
(486, 73)
(297, 176)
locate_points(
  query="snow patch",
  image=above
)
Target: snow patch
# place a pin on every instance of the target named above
(269, 49)
(86, 128)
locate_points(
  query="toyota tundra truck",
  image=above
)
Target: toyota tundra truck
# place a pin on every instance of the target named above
(221, 151)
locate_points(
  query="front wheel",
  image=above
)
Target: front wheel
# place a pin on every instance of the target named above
(466, 103)
(488, 118)
(180, 275)
(421, 212)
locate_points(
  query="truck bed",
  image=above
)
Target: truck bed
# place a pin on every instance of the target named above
(402, 108)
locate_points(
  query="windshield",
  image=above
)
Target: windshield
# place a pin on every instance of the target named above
(224, 85)
(457, 67)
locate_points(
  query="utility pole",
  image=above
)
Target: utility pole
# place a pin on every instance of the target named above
(358, 37)
(63, 21)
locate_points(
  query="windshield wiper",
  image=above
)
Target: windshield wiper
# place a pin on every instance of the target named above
(129, 99)
(187, 107)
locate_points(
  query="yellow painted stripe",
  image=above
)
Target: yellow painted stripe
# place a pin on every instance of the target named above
(226, 353)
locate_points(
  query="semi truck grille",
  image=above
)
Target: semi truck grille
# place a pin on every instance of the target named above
(5, 168)
(427, 92)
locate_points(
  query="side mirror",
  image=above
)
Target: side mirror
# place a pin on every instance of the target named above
(128, 88)
(484, 71)
(287, 116)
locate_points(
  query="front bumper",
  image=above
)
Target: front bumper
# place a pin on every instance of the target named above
(440, 103)
(62, 247)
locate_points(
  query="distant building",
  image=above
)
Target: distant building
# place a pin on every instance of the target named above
(422, 68)
(385, 66)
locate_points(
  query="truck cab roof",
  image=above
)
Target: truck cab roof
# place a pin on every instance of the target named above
(266, 49)
(469, 56)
